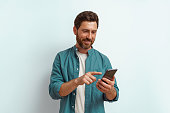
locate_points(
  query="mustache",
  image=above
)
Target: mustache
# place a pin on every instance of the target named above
(87, 39)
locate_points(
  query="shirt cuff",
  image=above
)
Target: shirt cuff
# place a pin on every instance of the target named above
(57, 89)
(115, 99)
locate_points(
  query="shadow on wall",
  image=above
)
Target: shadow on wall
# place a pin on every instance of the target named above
(46, 103)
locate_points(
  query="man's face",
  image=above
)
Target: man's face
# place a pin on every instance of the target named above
(86, 34)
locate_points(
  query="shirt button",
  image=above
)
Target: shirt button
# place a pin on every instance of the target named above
(72, 106)
(73, 93)
(77, 69)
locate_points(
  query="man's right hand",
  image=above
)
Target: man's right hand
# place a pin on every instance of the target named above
(87, 78)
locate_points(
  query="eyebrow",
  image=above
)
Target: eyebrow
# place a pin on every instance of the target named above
(87, 30)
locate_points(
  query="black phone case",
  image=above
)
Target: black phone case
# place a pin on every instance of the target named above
(109, 74)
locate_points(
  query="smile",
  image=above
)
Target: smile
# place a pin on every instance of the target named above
(87, 42)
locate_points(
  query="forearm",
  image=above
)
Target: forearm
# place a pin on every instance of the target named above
(111, 94)
(68, 87)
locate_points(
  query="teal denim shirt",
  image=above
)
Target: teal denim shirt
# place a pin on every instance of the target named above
(66, 68)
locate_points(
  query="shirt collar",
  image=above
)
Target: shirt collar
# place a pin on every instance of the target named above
(90, 52)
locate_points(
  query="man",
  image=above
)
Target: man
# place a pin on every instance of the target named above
(77, 72)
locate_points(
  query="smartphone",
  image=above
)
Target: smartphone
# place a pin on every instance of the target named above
(109, 74)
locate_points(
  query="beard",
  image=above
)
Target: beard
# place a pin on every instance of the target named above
(85, 43)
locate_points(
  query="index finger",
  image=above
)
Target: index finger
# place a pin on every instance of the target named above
(95, 73)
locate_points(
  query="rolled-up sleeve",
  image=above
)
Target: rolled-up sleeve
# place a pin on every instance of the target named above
(56, 79)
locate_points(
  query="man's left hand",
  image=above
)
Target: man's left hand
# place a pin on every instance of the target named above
(107, 86)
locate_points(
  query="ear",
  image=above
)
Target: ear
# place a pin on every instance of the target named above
(75, 30)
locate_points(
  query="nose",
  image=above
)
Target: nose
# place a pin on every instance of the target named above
(90, 35)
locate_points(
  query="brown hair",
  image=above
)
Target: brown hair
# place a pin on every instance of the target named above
(86, 16)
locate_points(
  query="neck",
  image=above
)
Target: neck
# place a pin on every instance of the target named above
(82, 50)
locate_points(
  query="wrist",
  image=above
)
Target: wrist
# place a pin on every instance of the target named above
(76, 82)
(110, 95)
(111, 91)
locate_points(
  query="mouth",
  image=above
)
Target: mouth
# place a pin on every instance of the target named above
(87, 42)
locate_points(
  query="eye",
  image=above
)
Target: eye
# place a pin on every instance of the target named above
(93, 32)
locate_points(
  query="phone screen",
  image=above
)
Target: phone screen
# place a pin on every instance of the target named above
(109, 74)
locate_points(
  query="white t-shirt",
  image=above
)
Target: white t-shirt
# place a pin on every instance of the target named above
(80, 94)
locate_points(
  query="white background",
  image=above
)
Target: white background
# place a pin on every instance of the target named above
(134, 34)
